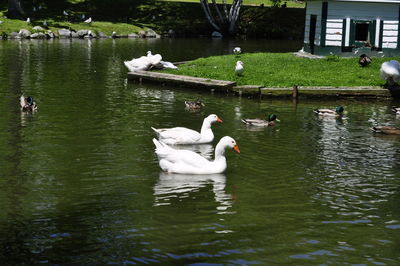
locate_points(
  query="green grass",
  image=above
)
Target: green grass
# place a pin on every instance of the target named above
(295, 4)
(14, 25)
(285, 70)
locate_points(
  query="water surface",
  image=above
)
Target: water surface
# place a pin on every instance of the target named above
(80, 183)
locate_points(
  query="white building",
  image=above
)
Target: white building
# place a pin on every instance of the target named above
(352, 27)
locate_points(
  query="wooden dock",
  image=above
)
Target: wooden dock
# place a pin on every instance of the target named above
(186, 81)
(257, 91)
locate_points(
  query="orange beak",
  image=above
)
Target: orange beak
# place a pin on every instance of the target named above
(236, 148)
(219, 120)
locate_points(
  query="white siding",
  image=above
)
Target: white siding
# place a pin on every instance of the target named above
(390, 33)
(337, 11)
(357, 10)
(334, 31)
(313, 8)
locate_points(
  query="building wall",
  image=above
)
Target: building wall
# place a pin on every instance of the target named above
(337, 11)
(313, 8)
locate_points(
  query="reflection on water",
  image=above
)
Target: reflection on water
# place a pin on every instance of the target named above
(179, 185)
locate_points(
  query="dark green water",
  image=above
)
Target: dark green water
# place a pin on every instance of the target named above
(80, 184)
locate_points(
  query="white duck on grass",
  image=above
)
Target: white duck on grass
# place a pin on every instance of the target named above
(239, 68)
(189, 162)
(182, 135)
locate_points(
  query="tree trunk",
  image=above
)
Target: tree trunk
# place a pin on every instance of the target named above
(15, 9)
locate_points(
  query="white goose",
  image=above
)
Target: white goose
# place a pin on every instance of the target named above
(182, 135)
(189, 162)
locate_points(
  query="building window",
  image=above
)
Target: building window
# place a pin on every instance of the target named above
(362, 32)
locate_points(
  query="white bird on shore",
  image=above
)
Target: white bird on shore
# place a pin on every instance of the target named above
(239, 69)
(237, 50)
(390, 71)
(28, 20)
(188, 162)
(182, 135)
(65, 13)
(89, 20)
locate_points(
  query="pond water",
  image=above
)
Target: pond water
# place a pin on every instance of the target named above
(80, 183)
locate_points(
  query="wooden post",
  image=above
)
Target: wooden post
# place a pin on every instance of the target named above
(295, 92)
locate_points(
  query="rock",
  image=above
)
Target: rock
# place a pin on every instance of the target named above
(133, 35)
(216, 34)
(82, 33)
(38, 35)
(38, 28)
(102, 35)
(142, 34)
(151, 34)
(14, 35)
(74, 34)
(23, 33)
(50, 35)
(64, 33)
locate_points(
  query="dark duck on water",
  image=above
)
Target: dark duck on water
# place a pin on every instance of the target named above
(27, 104)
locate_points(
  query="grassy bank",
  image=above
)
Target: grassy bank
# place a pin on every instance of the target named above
(14, 25)
(286, 70)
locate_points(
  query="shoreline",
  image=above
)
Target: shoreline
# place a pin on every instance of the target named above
(254, 91)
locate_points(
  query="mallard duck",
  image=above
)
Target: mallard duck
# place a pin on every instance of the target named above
(27, 104)
(364, 60)
(182, 135)
(389, 130)
(239, 69)
(261, 122)
(194, 105)
(396, 110)
(329, 112)
(188, 162)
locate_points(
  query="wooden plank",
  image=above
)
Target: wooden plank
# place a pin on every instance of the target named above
(327, 92)
(181, 80)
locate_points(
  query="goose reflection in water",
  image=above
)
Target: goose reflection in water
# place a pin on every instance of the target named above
(179, 185)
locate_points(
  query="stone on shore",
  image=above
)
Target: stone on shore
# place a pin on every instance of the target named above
(64, 33)
(24, 33)
(38, 35)
(38, 28)
(82, 33)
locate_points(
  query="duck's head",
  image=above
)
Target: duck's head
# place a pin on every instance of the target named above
(214, 118)
(239, 63)
(29, 100)
(273, 117)
(230, 143)
(339, 109)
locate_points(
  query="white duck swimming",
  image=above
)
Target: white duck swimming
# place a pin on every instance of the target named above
(189, 162)
(182, 135)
